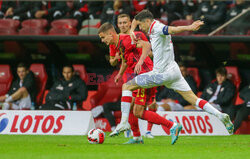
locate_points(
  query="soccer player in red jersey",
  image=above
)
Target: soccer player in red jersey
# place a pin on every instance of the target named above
(124, 24)
(130, 55)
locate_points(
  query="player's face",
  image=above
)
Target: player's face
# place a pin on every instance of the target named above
(67, 73)
(220, 78)
(22, 72)
(106, 38)
(144, 25)
(124, 24)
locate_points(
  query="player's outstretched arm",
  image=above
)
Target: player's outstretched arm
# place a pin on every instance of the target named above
(146, 49)
(193, 27)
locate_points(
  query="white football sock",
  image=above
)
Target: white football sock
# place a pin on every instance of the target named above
(125, 106)
(173, 125)
(209, 108)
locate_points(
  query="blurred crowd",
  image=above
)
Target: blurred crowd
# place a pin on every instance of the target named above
(214, 13)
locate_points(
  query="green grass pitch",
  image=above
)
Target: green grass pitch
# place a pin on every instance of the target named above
(74, 147)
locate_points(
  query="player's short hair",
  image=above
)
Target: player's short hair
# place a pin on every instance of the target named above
(22, 64)
(69, 66)
(144, 14)
(105, 27)
(123, 16)
(222, 71)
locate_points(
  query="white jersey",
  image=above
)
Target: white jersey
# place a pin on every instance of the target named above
(162, 46)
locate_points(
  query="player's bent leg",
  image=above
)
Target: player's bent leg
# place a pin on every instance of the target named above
(19, 94)
(126, 101)
(155, 118)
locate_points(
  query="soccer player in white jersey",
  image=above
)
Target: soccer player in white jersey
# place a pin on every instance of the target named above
(165, 70)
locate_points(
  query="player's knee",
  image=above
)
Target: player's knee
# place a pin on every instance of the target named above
(130, 85)
(126, 86)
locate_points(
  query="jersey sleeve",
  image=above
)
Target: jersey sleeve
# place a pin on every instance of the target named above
(112, 50)
(161, 29)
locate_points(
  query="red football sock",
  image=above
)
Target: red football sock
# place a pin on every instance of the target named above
(156, 119)
(133, 121)
(150, 125)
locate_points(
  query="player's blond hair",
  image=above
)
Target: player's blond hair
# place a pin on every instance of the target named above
(105, 27)
(123, 16)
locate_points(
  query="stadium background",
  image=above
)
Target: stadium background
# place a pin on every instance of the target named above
(53, 41)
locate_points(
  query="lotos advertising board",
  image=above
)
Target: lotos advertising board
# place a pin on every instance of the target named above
(46, 122)
(194, 123)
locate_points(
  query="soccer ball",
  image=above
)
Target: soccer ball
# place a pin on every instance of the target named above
(96, 136)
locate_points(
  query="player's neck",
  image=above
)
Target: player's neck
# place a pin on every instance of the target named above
(127, 32)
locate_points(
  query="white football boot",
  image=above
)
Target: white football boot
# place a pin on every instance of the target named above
(120, 128)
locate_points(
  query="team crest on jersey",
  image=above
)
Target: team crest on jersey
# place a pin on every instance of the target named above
(60, 87)
(209, 90)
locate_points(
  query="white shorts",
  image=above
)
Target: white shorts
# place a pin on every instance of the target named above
(171, 78)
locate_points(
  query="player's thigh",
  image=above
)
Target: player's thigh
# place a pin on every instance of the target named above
(130, 85)
(149, 79)
(176, 81)
(188, 96)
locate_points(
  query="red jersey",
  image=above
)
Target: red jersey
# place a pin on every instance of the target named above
(112, 50)
(132, 54)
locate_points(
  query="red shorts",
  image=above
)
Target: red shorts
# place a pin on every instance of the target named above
(145, 96)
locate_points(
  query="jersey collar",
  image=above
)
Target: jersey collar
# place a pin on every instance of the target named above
(151, 26)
